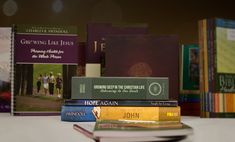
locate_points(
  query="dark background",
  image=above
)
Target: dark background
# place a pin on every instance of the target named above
(162, 16)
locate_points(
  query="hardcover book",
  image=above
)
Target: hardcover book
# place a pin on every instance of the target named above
(144, 88)
(92, 110)
(5, 50)
(135, 131)
(158, 103)
(45, 58)
(96, 38)
(189, 69)
(144, 56)
(105, 131)
(139, 113)
(189, 80)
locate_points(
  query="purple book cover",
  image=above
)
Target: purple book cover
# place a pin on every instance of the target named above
(97, 32)
(81, 58)
(45, 58)
(144, 55)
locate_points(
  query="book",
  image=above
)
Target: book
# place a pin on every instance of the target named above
(5, 50)
(138, 113)
(216, 67)
(189, 79)
(45, 57)
(224, 50)
(78, 113)
(159, 103)
(150, 88)
(144, 56)
(106, 128)
(96, 37)
(189, 69)
(89, 113)
(152, 131)
(81, 58)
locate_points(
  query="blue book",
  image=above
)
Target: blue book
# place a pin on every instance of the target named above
(78, 113)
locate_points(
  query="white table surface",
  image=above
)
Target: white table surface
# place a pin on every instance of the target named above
(51, 129)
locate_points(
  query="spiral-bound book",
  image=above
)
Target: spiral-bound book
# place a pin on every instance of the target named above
(44, 59)
(5, 47)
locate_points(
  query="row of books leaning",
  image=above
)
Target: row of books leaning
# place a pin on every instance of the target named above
(125, 104)
(217, 67)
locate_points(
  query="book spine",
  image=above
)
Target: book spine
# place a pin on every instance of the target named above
(222, 115)
(77, 114)
(134, 88)
(205, 54)
(121, 103)
(201, 67)
(12, 69)
(140, 113)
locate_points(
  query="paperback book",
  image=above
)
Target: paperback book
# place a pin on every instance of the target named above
(5, 50)
(45, 58)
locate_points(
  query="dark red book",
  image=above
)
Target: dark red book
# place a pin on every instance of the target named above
(144, 56)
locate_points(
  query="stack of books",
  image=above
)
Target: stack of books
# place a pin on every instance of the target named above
(217, 67)
(120, 98)
(125, 109)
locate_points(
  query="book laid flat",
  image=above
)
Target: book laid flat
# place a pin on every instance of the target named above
(5, 50)
(44, 57)
(117, 131)
(151, 88)
(144, 56)
(158, 103)
(93, 113)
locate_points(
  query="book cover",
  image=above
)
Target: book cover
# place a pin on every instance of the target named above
(5, 50)
(143, 88)
(45, 58)
(189, 69)
(96, 37)
(224, 55)
(143, 56)
(189, 79)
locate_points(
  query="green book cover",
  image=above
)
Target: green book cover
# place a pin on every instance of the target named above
(189, 82)
(224, 55)
(151, 88)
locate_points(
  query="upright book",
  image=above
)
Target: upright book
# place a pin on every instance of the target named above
(96, 37)
(189, 98)
(217, 46)
(144, 56)
(44, 58)
(5, 47)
